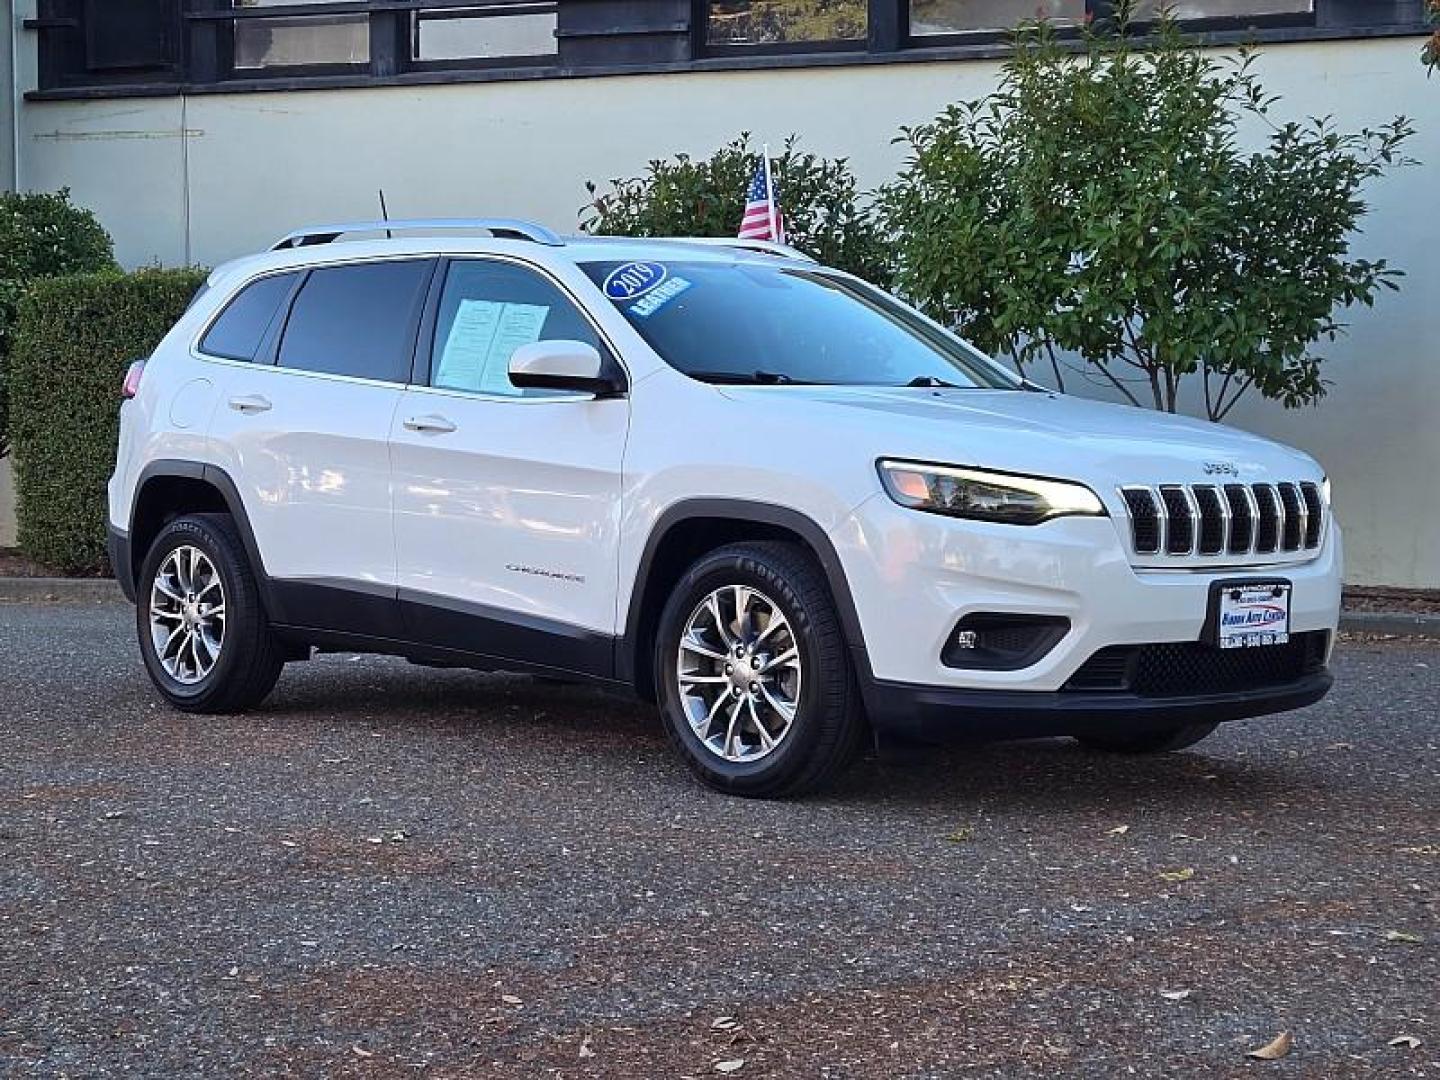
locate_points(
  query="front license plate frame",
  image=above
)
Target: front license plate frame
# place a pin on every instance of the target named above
(1247, 613)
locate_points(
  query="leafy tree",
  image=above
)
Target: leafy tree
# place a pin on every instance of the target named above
(825, 212)
(1099, 203)
(41, 235)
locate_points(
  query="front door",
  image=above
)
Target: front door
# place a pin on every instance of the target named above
(507, 501)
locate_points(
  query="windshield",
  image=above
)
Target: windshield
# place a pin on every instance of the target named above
(748, 323)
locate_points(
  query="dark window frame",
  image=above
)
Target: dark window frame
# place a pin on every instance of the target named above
(593, 37)
(889, 30)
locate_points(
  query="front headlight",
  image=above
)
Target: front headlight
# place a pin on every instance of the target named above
(984, 495)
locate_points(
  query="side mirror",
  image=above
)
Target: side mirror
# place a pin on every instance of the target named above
(562, 365)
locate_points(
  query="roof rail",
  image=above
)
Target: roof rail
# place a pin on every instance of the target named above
(503, 228)
(766, 247)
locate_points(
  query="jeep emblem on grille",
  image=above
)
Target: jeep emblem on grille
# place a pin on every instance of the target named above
(1221, 468)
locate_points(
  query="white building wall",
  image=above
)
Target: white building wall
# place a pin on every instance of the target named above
(218, 175)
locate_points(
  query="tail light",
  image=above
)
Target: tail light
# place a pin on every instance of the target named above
(133, 374)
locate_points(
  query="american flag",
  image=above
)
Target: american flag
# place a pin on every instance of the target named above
(762, 219)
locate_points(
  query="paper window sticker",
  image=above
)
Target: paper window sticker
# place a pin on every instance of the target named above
(468, 345)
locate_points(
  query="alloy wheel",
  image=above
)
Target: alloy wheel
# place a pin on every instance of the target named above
(187, 615)
(739, 673)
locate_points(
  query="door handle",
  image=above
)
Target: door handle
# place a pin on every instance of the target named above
(431, 424)
(250, 404)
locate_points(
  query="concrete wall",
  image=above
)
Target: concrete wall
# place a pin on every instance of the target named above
(214, 176)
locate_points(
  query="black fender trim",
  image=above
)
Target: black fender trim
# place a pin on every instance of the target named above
(220, 480)
(741, 510)
(117, 550)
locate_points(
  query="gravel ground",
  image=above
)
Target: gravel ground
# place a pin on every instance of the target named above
(389, 871)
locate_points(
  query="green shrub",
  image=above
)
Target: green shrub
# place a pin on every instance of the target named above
(1100, 203)
(41, 235)
(826, 214)
(74, 337)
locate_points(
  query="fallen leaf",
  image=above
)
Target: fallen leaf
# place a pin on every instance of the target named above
(724, 1023)
(1403, 938)
(733, 1065)
(961, 835)
(1275, 1049)
(360, 1051)
(1175, 995)
(1184, 874)
(1410, 1042)
(1118, 830)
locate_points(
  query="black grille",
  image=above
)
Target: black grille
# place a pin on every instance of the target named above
(1179, 525)
(1316, 509)
(1294, 530)
(1144, 520)
(1242, 519)
(1239, 519)
(1189, 668)
(1212, 520)
(1267, 534)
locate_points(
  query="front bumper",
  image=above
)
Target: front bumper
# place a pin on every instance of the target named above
(913, 576)
(936, 714)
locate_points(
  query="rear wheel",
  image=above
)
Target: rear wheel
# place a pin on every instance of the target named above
(755, 680)
(202, 629)
(1150, 742)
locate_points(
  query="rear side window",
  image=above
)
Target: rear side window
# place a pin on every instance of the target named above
(237, 334)
(356, 320)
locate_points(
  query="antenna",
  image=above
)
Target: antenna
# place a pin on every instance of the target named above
(385, 214)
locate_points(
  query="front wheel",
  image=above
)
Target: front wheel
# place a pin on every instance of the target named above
(755, 680)
(1164, 741)
(203, 633)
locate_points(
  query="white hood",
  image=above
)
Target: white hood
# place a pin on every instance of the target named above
(1043, 434)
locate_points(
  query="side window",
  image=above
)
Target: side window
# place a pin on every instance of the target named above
(237, 334)
(356, 320)
(489, 309)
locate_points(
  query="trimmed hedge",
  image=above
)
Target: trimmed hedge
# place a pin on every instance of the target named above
(42, 235)
(74, 337)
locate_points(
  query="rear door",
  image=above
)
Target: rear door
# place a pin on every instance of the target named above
(305, 426)
(507, 501)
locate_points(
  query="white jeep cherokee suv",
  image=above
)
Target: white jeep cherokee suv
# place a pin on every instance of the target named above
(762, 493)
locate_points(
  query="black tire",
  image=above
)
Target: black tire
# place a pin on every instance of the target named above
(829, 722)
(250, 657)
(1165, 741)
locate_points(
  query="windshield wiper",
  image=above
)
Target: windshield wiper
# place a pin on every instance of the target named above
(743, 378)
(931, 380)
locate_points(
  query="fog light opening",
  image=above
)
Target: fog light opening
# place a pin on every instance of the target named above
(995, 641)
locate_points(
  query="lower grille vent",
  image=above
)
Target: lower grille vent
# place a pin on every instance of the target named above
(1189, 668)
